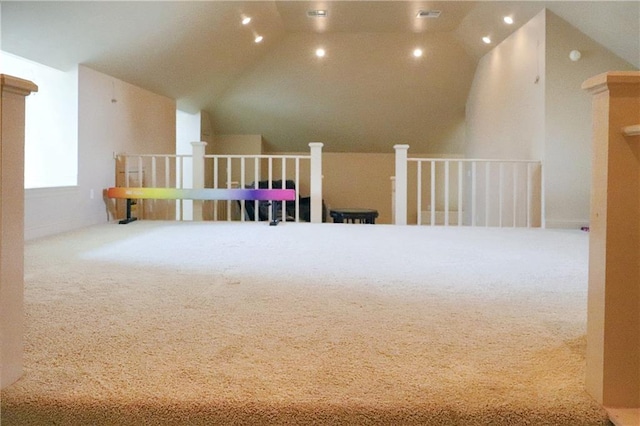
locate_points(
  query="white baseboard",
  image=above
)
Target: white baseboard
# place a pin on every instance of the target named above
(51, 228)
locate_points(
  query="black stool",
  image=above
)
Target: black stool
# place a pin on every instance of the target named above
(352, 215)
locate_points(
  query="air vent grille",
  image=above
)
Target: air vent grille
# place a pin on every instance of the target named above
(317, 13)
(428, 13)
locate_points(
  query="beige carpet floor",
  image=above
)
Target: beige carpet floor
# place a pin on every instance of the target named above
(229, 323)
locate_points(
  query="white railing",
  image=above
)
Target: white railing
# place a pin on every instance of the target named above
(460, 191)
(244, 171)
(152, 170)
(221, 171)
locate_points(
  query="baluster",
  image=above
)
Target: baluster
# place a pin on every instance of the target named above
(297, 202)
(126, 171)
(529, 195)
(153, 172)
(242, 185)
(216, 170)
(270, 184)
(515, 194)
(228, 187)
(500, 195)
(446, 193)
(460, 189)
(256, 203)
(419, 191)
(433, 193)
(180, 182)
(487, 177)
(167, 180)
(474, 190)
(284, 186)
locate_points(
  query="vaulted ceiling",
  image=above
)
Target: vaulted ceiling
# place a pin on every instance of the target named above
(366, 94)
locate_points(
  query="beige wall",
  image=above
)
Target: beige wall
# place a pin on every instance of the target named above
(234, 145)
(350, 98)
(113, 116)
(358, 180)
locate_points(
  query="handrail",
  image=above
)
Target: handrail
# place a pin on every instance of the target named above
(261, 156)
(472, 160)
(125, 154)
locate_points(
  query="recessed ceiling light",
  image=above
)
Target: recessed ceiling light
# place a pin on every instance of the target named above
(258, 39)
(486, 39)
(246, 20)
(320, 13)
(428, 14)
(508, 20)
(320, 53)
(417, 52)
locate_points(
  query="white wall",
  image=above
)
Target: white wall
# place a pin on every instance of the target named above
(113, 116)
(505, 112)
(505, 107)
(568, 121)
(509, 115)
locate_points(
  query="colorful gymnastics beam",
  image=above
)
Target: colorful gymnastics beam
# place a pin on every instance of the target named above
(247, 194)
(275, 194)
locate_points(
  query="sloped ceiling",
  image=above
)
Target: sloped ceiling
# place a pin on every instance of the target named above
(367, 94)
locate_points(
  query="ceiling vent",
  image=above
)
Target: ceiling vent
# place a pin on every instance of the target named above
(317, 13)
(428, 14)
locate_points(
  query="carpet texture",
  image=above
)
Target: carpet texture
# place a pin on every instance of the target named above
(230, 323)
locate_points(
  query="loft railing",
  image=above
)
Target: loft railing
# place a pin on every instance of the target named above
(242, 171)
(219, 171)
(472, 192)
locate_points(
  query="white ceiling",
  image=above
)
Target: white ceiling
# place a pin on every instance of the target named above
(199, 53)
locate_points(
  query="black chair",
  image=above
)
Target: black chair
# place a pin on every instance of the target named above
(290, 206)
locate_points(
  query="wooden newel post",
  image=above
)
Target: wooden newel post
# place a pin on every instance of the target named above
(316, 181)
(12, 115)
(401, 184)
(198, 152)
(613, 322)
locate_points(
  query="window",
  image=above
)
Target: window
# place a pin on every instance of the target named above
(51, 124)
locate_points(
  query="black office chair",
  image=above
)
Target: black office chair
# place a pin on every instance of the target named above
(290, 206)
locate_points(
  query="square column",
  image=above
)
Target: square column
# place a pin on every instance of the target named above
(613, 322)
(14, 91)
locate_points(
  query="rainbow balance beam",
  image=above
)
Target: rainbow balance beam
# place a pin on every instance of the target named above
(201, 194)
